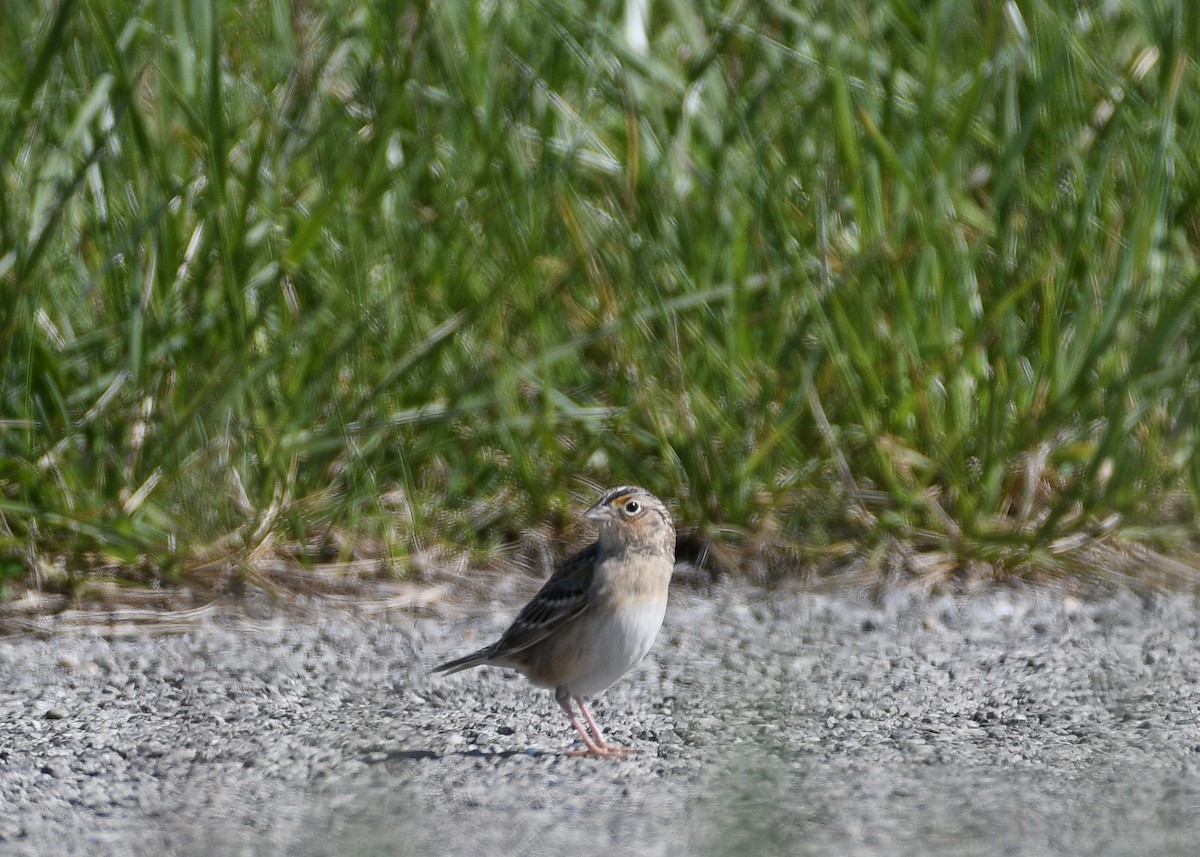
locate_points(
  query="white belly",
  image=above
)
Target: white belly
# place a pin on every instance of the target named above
(622, 645)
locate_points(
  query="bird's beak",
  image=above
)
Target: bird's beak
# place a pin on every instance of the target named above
(599, 514)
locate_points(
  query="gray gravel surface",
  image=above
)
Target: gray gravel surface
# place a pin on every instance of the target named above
(1010, 722)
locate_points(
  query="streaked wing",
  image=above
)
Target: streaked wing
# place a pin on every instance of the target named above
(562, 597)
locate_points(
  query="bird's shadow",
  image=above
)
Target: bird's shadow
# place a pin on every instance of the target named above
(409, 755)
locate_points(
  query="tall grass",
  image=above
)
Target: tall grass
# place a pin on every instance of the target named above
(415, 275)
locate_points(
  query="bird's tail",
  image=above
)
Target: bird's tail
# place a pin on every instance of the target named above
(474, 659)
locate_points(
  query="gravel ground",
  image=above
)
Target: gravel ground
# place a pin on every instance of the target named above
(1011, 722)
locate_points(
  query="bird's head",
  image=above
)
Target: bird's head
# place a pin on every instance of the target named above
(632, 518)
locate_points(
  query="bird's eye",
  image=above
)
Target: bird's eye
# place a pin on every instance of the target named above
(633, 507)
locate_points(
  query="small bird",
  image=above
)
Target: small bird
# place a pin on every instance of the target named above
(598, 613)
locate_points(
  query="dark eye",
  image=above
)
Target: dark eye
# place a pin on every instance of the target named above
(633, 507)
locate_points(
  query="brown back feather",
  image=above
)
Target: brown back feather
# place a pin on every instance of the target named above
(561, 598)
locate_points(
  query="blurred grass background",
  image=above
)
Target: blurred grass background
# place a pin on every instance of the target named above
(327, 280)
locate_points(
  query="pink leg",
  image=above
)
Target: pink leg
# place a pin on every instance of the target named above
(608, 749)
(593, 748)
(592, 724)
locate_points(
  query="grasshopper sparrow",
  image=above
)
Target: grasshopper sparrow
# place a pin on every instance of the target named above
(598, 613)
